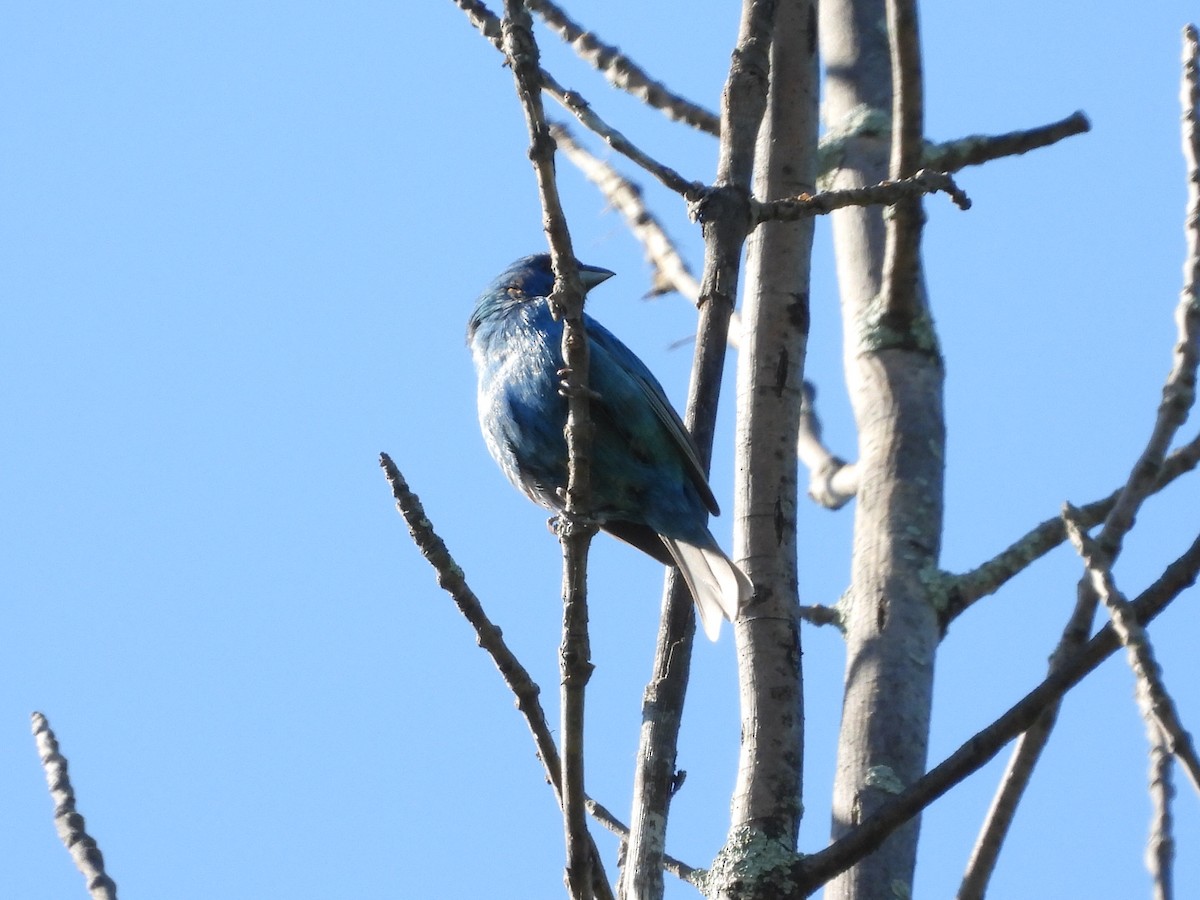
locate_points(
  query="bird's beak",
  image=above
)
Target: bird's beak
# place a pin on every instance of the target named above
(592, 276)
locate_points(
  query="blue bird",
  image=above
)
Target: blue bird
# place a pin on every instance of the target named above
(648, 487)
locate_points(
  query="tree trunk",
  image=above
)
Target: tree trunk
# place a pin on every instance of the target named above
(894, 373)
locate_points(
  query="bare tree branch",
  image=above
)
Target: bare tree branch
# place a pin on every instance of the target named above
(724, 214)
(832, 482)
(68, 823)
(948, 156)
(818, 614)
(768, 796)
(671, 272)
(895, 381)
(451, 579)
(1143, 480)
(622, 72)
(604, 816)
(976, 149)
(885, 193)
(1179, 391)
(691, 191)
(901, 259)
(815, 869)
(989, 577)
(1155, 703)
(1160, 848)
(575, 529)
(489, 26)
(1025, 756)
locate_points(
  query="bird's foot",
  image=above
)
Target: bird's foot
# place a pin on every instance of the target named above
(567, 388)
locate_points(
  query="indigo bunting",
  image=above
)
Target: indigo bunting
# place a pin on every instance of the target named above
(648, 487)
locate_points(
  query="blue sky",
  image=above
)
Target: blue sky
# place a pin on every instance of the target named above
(238, 249)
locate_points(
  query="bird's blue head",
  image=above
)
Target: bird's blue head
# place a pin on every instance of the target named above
(529, 278)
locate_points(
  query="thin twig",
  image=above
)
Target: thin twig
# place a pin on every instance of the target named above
(1179, 391)
(452, 580)
(575, 529)
(948, 156)
(989, 577)
(691, 191)
(604, 816)
(885, 193)
(903, 244)
(67, 822)
(976, 149)
(819, 614)
(814, 870)
(1160, 847)
(1143, 480)
(622, 72)
(489, 26)
(1025, 755)
(1189, 100)
(832, 482)
(671, 272)
(1155, 703)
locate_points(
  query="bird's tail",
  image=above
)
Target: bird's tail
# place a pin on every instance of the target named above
(718, 586)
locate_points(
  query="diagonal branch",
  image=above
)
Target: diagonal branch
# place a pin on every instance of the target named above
(976, 149)
(451, 579)
(1179, 391)
(1155, 703)
(1155, 469)
(622, 72)
(671, 272)
(604, 816)
(72, 830)
(814, 870)
(1178, 396)
(516, 677)
(691, 191)
(486, 22)
(987, 578)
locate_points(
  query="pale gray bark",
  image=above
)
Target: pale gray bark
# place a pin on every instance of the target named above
(895, 378)
(775, 317)
(68, 822)
(724, 214)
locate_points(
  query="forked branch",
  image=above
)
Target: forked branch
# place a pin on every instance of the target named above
(489, 26)
(814, 870)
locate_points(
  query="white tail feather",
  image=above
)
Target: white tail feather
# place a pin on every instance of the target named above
(718, 586)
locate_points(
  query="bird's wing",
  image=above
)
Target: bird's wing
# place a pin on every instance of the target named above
(638, 378)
